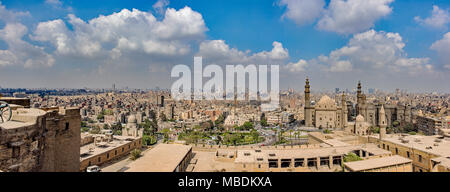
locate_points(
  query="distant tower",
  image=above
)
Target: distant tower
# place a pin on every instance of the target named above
(162, 100)
(359, 92)
(308, 108)
(344, 112)
(382, 122)
(358, 98)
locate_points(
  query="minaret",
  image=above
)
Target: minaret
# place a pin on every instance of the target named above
(344, 112)
(382, 122)
(358, 95)
(307, 113)
(359, 99)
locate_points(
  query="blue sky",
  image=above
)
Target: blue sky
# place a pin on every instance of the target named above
(253, 25)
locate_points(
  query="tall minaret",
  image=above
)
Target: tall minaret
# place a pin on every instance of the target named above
(382, 122)
(307, 113)
(359, 99)
(344, 112)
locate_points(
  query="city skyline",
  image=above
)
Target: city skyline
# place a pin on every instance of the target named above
(386, 44)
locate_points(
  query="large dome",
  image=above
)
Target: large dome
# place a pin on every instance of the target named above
(359, 118)
(326, 103)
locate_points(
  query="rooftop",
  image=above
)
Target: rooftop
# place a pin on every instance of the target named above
(444, 161)
(162, 158)
(90, 150)
(437, 145)
(376, 163)
(22, 117)
(262, 155)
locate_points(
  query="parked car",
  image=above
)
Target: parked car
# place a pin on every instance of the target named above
(93, 168)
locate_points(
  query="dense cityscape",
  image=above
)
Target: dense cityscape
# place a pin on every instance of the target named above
(258, 86)
(227, 135)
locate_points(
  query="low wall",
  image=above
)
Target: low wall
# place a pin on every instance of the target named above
(213, 148)
(25, 102)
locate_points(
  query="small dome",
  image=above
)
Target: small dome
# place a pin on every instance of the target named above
(359, 118)
(326, 103)
(132, 119)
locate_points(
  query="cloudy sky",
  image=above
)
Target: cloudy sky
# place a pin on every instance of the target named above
(386, 44)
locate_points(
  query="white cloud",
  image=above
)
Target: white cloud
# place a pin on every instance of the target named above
(353, 16)
(373, 50)
(20, 52)
(160, 6)
(220, 53)
(296, 67)
(125, 31)
(10, 16)
(302, 11)
(442, 47)
(341, 16)
(439, 18)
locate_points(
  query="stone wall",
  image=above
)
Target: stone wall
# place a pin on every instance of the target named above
(37, 140)
(213, 148)
(25, 102)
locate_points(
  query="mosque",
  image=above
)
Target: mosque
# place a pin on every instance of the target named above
(132, 129)
(327, 114)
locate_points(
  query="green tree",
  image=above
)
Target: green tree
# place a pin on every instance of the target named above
(95, 130)
(150, 127)
(396, 123)
(165, 133)
(374, 129)
(135, 154)
(84, 129)
(264, 122)
(247, 126)
(351, 157)
(117, 129)
(412, 133)
(148, 140)
(255, 136)
(100, 116)
(108, 112)
(219, 120)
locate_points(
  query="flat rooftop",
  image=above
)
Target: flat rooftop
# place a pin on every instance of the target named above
(90, 150)
(162, 158)
(444, 161)
(262, 155)
(435, 144)
(376, 163)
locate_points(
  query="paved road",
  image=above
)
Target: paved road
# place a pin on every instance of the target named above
(117, 165)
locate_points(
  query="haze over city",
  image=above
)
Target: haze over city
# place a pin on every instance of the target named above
(386, 44)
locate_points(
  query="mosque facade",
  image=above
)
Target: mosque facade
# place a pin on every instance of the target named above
(328, 114)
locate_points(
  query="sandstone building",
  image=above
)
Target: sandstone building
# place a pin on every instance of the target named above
(328, 114)
(41, 140)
